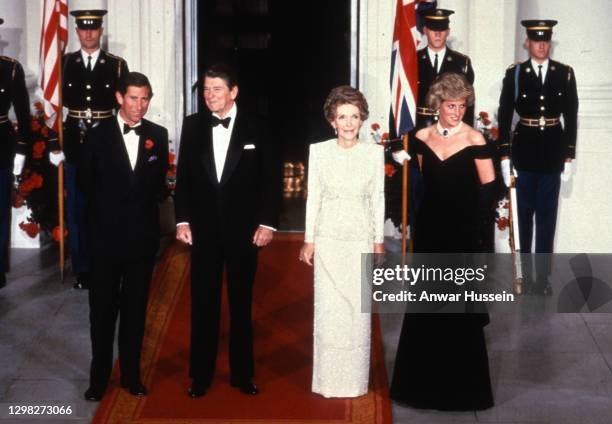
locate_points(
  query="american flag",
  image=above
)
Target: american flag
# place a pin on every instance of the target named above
(53, 39)
(404, 70)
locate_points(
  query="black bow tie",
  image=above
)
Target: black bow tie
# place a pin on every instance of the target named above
(127, 129)
(216, 121)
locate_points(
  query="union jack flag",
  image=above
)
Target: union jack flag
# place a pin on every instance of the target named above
(407, 35)
(404, 70)
(53, 39)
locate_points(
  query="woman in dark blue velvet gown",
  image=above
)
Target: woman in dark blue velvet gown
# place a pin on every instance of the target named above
(442, 360)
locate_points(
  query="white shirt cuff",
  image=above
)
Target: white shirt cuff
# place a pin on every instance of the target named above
(268, 227)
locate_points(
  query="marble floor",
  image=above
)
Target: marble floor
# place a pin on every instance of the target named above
(554, 368)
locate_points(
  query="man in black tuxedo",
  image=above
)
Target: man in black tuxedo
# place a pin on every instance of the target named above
(122, 170)
(227, 198)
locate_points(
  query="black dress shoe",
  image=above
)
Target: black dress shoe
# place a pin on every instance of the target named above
(2, 280)
(197, 389)
(82, 281)
(246, 387)
(94, 394)
(138, 390)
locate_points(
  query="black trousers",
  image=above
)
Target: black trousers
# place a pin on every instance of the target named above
(120, 287)
(208, 261)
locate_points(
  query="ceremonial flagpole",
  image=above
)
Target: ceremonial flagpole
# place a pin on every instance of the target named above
(406, 238)
(54, 36)
(60, 168)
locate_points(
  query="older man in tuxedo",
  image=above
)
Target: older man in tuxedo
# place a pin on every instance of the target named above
(227, 198)
(122, 170)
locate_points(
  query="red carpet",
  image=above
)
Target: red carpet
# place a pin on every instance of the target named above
(282, 317)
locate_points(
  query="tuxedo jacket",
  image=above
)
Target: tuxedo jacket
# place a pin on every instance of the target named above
(533, 148)
(249, 192)
(451, 62)
(123, 203)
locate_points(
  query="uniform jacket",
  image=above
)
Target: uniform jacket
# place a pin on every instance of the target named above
(452, 62)
(539, 149)
(13, 92)
(123, 203)
(84, 90)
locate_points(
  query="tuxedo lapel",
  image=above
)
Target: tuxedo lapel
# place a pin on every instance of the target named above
(119, 151)
(234, 150)
(208, 154)
(142, 139)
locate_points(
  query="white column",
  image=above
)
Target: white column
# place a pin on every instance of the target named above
(149, 36)
(459, 38)
(375, 38)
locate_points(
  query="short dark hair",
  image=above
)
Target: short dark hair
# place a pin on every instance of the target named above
(134, 79)
(224, 71)
(342, 95)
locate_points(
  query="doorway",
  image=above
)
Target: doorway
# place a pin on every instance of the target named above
(288, 55)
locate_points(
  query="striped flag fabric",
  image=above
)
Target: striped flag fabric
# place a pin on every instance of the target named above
(404, 69)
(53, 39)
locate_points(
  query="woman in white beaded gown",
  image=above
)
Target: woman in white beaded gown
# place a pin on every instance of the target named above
(344, 218)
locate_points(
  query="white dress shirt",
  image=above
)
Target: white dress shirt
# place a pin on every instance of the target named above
(432, 57)
(94, 58)
(544, 64)
(221, 138)
(131, 141)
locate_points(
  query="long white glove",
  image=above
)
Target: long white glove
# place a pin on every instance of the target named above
(505, 171)
(56, 158)
(18, 164)
(400, 156)
(567, 172)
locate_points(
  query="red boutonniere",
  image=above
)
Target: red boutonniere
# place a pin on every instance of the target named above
(149, 144)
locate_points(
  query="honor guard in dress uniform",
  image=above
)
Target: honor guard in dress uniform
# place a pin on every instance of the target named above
(436, 59)
(90, 80)
(13, 144)
(541, 146)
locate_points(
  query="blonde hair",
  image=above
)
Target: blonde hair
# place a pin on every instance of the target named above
(449, 86)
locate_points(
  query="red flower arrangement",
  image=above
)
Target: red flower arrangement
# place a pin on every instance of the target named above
(56, 233)
(32, 181)
(38, 149)
(149, 144)
(486, 127)
(37, 183)
(30, 228)
(390, 170)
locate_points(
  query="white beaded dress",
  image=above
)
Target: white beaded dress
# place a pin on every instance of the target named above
(344, 218)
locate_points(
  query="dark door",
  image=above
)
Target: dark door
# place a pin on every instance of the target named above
(289, 55)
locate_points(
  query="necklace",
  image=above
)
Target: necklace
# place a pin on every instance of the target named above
(447, 132)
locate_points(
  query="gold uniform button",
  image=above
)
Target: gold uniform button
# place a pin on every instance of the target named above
(542, 108)
(541, 97)
(88, 99)
(88, 87)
